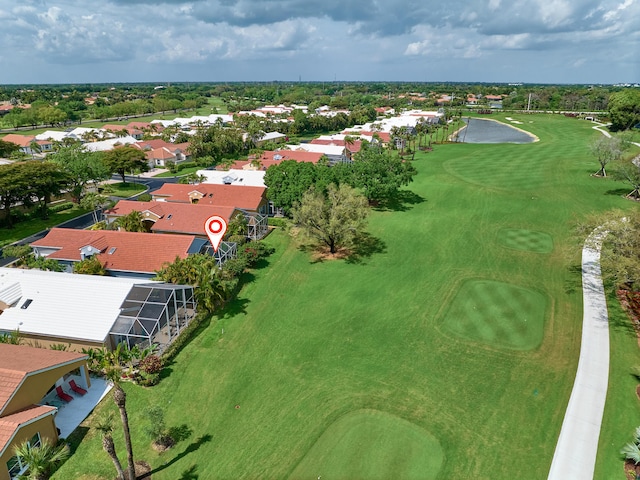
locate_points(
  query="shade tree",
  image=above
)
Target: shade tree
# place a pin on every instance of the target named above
(334, 219)
(125, 159)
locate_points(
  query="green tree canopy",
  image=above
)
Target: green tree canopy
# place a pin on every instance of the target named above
(335, 219)
(624, 109)
(82, 166)
(378, 173)
(125, 159)
(289, 180)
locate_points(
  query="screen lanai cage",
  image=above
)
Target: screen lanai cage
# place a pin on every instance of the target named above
(153, 314)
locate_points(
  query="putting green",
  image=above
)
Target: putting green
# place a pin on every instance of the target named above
(527, 240)
(498, 313)
(371, 444)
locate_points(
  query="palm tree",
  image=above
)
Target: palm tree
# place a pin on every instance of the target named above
(105, 427)
(41, 459)
(631, 451)
(113, 372)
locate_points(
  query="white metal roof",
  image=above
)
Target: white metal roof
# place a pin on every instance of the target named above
(64, 305)
(245, 178)
(109, 144)
(334, 150)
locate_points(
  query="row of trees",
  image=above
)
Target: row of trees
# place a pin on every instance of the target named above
(376, 172)
(72, 169)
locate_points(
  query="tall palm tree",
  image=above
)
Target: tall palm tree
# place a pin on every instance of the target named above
(41, 459)
(105, 427)
(113, 371)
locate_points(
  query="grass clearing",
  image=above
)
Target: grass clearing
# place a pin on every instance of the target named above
(29, 227)
(372, 445)
(125, 190)
(308, 343)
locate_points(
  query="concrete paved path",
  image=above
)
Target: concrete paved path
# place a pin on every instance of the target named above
(575, 455)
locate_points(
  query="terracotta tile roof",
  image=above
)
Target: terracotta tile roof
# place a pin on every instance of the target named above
(184, 218)
(246, 198)
(130, 251)
(385, 137)
(159, 143)
(17, 361)
(139, 125)
(353, 147)
(312, 157)
(11, 423)
(22, 140)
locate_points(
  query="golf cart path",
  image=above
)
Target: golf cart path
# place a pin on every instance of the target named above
(577, 447)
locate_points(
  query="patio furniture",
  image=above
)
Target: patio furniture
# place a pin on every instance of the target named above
(62, 395)
(74, 386)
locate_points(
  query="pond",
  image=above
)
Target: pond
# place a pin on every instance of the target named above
(480, 130)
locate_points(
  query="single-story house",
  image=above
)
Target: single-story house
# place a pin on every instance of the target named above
(25, 142)
(335, 153)
(91, 311)
(27, 375)
(275, 157)
(249, 199)
(109, 144)
(186, 218)
(123, 254)
(239, 178)
(160, 152)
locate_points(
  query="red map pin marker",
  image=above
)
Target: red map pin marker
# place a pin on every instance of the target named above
(215, 227)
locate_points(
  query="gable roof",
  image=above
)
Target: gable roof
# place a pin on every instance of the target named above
(119, 251)
(10, 424)
(174, 217)
(22, 140)
(248, 198)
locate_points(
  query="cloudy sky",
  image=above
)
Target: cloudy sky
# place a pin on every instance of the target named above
(541, 41)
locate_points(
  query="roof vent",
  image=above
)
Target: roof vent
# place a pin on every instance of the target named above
(26, 304)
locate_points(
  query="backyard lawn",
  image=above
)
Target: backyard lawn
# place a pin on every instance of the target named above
(448, 352)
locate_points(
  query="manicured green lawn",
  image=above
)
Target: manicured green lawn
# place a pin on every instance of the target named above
(29, 227)
(373, 445)
(308, 344)
(125, 190)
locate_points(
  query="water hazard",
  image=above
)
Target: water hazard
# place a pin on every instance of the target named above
(479, 130)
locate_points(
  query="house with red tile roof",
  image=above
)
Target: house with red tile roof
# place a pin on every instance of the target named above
(249, 199)
(124, 130)
(186, 218)
(172, 217)
(25, 141)
(27, 374)
(123, 254)
(275, 157)
(159, 152)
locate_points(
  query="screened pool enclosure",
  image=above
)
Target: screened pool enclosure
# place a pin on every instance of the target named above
(153, 314)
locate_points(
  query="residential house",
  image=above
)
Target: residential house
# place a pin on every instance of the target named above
(249, 199)
(109, 144)
(124, 131)
(239, 178)
(123, 254)
(92, 311)
(27, 374)
(275, 157)
(25, 142)
(335, 153)
(159, 152)
(189, 219)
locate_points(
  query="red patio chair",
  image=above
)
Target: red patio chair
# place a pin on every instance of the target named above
(74, 386)
(62, 395)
